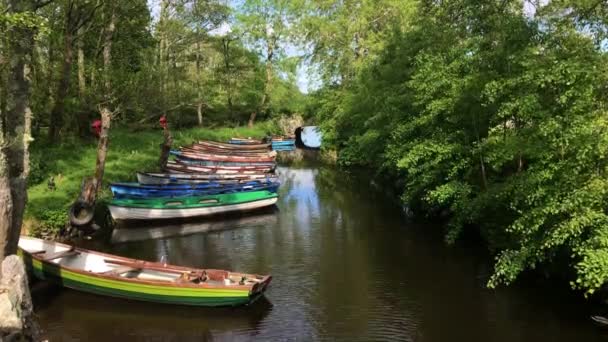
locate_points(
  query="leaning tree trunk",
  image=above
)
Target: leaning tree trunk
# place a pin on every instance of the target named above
(104, 110)
(15, 136)
(81, 213)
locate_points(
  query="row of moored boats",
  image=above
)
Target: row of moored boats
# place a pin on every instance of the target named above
(202, 179)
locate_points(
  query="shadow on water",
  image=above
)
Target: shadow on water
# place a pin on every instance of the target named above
(346, 266)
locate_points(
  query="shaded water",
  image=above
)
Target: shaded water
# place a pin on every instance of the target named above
(346, 266)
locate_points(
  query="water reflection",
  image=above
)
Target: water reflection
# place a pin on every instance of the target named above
(346, 266)
(79, 316)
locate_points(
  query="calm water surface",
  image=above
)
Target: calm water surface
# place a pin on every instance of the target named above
(346, 266)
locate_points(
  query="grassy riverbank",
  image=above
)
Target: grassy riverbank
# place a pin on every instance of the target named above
(129, 151)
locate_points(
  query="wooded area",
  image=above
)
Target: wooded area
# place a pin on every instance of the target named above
(491, 114)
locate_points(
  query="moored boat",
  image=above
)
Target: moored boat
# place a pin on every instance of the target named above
(115, 276)
(244, 141)
(224, 165)
(136, 190)
(188, 178)
(232, 146)
(193, 206)
(223, 158)
(218, 150)
(187, 166)
(283, 142)
(228, 153)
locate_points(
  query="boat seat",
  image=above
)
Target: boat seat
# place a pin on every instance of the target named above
(62, 254)
(121, 270)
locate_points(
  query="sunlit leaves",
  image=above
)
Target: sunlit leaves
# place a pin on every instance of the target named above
(498, 118)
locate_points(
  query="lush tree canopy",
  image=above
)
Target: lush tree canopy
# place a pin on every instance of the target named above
(492, 112)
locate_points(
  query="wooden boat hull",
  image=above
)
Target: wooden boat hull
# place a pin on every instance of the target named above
(136, 190)
(184, 207)
(125, 213)
(228, 152)
(283, 142)
(186, 167)
(225, 165)
(187, 178)
(244, 141)
(222, 158)
(79, 275)
(232, 146)
(284, 148)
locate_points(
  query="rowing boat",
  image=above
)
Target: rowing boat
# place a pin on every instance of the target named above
(223, 158)
(232, 146)
(196, 167)
(194, 206)
(222, 164)
(136, 190)
(283, 142)
(228, 153)
(187, 178)
(244, 141)
(115, 276)
(222, 151)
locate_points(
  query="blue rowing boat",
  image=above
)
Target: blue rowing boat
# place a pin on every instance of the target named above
(136, 190)
(284, 142)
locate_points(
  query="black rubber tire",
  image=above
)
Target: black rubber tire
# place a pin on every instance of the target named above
(81, 214)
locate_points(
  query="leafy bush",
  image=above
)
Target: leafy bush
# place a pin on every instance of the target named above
(49, 223)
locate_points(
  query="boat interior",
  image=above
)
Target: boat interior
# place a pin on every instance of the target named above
(69, 257)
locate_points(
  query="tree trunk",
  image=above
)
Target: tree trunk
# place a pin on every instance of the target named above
(199, 108)
(199, 112)
(63, 86)
(228, 72)
(162, 54)
(15, 127)
(91, 188)
(106, 114)
(81, 78)
(102, 148)
(252, 119)
(6, 203)
(165, 148)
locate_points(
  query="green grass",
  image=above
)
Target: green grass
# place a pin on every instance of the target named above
(128, 153)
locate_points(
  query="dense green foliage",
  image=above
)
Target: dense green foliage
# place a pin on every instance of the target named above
(183, 62)
(493, 113)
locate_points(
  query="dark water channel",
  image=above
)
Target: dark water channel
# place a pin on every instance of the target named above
(346, 266)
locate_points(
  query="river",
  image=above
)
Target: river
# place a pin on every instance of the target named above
(346, 266)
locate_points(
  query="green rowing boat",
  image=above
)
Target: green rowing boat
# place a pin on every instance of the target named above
(115, 276)
(182, 207)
